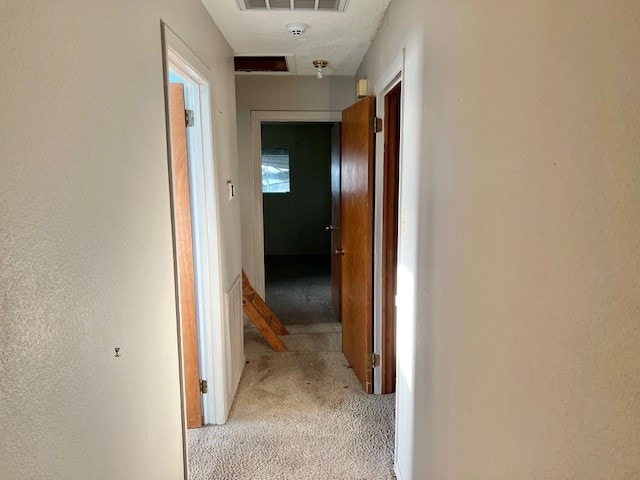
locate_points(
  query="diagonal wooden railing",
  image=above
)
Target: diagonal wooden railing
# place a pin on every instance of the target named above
(267, 323)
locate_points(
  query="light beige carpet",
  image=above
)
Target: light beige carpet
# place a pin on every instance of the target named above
(298, 288)
(298, 415)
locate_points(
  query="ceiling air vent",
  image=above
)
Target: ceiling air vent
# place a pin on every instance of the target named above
(260, 64)
(317, 5)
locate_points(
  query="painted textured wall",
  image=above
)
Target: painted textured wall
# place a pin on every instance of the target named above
(520, 266)
(85, 238)
(277, 93)
(294, 223)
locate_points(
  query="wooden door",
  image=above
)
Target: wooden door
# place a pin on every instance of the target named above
(390, 237)
(335, 218)
(183, 245)
(357, 176)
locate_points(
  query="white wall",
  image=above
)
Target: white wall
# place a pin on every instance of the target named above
(85, 244)
(520, 266)
(274, 92)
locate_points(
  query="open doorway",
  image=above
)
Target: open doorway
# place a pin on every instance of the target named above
(192, 197)
(209, 322)
(390, 222)
(296, 189)
(300, 413)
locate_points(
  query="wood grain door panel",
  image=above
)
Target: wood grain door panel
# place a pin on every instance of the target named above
(356, 206)
(181, 201)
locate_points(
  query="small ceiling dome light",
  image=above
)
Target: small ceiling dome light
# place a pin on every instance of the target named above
(320, 65)
(297, 29)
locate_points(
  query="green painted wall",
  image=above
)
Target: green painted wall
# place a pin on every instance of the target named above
(294, 223)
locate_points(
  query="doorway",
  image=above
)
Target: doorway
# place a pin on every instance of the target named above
(207, 343)
(296, 190)
(385, 354)
(256, 269)
(389, 260)
(299, 411)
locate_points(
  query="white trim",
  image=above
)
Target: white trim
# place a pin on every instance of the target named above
(391, 78)
(398, 472)
(257, 117)
(388, 80)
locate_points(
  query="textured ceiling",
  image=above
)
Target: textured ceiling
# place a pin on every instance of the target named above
(340, 38)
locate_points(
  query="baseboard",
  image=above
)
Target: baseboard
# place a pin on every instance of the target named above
(398, 472)
(237, 375)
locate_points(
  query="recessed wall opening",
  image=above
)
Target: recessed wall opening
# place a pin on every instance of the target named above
(260, 64)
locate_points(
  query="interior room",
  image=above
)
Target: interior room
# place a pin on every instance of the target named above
(482, 218)
(296, 189)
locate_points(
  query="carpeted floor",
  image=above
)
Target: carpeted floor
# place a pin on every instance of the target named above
(300, 415)
(298, 288)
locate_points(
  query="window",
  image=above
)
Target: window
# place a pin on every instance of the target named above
(275, 170)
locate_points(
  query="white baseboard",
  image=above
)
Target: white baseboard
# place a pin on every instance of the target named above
(399, 475)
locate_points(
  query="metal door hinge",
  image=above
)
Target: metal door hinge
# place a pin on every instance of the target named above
(189, 118)
(373, 360)
(376, 124)
(203, 386)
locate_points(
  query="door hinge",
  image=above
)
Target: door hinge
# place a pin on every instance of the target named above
(204, 388)
(373, 360)
(189, 118)
(376, 124)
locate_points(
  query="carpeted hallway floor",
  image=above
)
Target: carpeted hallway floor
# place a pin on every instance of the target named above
(298, 288)
(300, 415)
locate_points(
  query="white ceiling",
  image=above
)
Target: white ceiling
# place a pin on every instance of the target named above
(340, 38)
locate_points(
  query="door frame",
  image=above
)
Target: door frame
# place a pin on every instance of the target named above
(387, 82)
(257, 118)
(390, 224)
(206, 232)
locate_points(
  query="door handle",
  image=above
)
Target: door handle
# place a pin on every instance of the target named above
(339, 251)
(330, 228)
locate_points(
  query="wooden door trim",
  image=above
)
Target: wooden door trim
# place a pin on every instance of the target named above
(255, 272)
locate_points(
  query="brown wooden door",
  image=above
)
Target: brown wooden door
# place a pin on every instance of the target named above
(183, 245)
(335, 218)
(390, 237)
(357, 175)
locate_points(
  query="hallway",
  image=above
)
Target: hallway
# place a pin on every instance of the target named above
(518, 257)
(298, 415)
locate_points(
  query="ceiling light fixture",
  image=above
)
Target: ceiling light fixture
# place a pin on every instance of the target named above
(320, 65)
